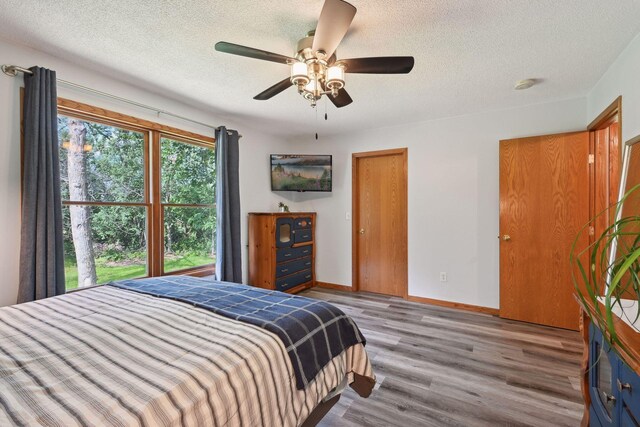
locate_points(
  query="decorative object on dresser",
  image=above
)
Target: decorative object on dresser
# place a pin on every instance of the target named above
(282, 207)
(608, 290)
(282, 250)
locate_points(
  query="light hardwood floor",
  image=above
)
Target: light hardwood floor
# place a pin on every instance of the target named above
(443, 367)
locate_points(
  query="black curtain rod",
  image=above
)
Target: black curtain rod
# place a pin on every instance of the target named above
(13, 70)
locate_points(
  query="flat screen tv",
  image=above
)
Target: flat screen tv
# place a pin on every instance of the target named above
(300, 172)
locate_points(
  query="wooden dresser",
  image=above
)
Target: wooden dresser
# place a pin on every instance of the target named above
(282, 250)
(610, 377)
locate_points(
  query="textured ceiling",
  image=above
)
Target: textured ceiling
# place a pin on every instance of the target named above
(469, 53)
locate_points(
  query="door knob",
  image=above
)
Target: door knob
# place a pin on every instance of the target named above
(362, 231)
(506, 237)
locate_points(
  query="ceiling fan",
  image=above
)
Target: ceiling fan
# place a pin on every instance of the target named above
(314, 69)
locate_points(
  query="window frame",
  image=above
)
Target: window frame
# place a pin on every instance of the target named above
(153, 133)
(206, 269)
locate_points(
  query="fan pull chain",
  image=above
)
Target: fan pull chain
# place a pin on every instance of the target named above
(316, 108)
(325, 109)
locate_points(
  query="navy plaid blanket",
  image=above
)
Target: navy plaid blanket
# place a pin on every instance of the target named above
(313, 331)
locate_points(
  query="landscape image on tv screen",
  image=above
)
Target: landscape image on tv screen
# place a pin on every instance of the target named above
(297, 172)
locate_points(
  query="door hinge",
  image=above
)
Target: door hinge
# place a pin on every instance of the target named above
(592, 231)
(592, 159)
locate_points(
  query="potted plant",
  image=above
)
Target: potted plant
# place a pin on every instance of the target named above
(283, 207)
(607, 272)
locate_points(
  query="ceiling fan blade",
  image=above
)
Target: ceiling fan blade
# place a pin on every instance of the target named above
(236, 49)
(274, 90)
(333, 24)
(379, 65)
(343, 99)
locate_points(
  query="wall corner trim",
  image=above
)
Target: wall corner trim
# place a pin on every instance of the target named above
(456, 305)
(421, 300)
(334, 286)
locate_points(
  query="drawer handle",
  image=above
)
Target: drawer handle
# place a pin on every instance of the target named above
(284, 270)
(287, 255)
(623, 386)
(308, 263)
(609, 398)
(308, 277)
(305, 252)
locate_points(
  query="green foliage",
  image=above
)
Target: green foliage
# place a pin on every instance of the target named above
(291, 181)
(621, 274)
(188, 173)
(188, 177)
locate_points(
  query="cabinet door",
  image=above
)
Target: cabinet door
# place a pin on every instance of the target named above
(284, 232)
(603, 372)
(628, 384)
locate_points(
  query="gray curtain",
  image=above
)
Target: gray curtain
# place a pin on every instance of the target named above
(228, 250)
(41, 246)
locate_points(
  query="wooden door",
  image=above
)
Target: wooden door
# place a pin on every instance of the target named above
(380, 222)
(605, 180)
(544, 203)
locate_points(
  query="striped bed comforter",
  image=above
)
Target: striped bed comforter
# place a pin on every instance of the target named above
(313, 331)
(107, 356)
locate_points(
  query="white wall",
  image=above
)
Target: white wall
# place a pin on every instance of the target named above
(453, 174)
(622, 78)
(253, 197)
(453, 196)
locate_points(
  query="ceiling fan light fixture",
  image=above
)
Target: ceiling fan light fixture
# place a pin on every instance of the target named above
(315, 78)
(313, 68)
(335, 79)
(311, 86)
(299, 75)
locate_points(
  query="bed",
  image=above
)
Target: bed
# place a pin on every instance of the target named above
(119, 355)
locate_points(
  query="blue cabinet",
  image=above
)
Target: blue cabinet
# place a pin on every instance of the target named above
(282, 250)
(613, 387)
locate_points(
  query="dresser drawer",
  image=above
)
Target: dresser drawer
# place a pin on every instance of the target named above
(287, 268)
(288, 254)
(302, 223)
(289, 282)
(628, 384)
(300, 236)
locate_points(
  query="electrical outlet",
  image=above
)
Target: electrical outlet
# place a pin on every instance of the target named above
(443, 276)
(347, 216)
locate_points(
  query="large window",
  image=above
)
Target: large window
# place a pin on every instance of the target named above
(138, 198)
